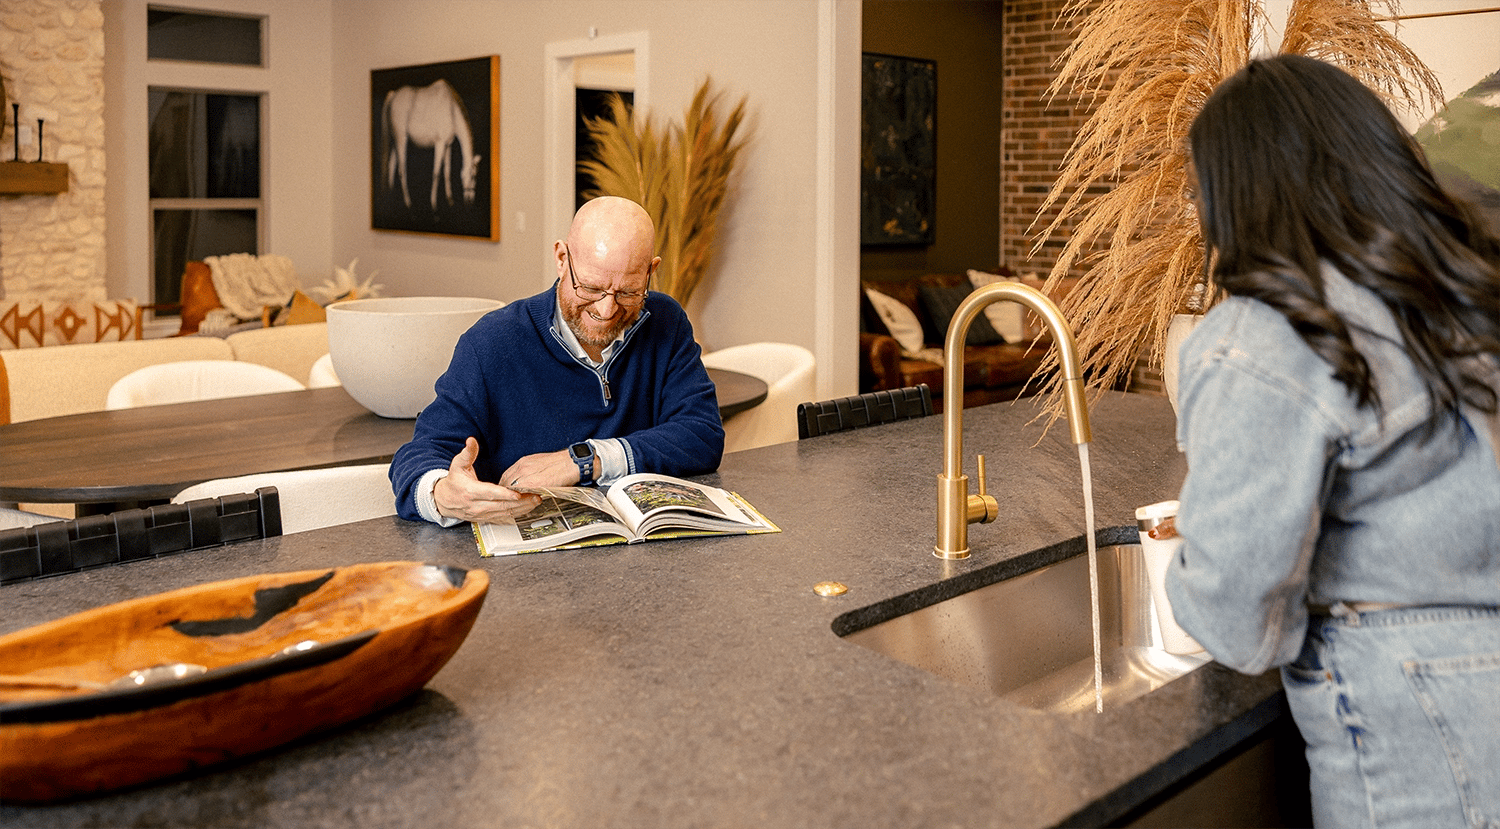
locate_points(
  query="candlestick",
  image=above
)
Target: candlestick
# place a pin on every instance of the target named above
(16, 113)
(39, 139)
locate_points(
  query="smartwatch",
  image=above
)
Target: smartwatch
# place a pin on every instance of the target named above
(583, 455)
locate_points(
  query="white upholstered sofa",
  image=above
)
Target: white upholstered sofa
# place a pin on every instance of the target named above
(68, 379)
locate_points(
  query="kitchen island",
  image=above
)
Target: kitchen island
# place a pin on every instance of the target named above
(698, 682)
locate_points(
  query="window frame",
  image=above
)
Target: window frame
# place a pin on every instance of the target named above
(162, 309)
(262, 19)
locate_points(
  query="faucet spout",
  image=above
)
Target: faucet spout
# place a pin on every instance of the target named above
(956, 508)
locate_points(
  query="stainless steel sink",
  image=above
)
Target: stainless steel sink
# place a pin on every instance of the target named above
(1029, 638)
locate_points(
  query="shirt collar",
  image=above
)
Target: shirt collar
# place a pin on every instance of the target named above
(570, 340)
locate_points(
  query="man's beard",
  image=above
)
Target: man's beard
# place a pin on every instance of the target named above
(574, 318)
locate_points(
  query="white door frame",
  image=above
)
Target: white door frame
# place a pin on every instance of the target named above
(836, 188)
(558, 114)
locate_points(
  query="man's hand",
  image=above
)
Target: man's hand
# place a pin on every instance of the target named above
(543, 469)
(462, 495)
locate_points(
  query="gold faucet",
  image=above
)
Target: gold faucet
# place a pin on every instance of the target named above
(956, 508)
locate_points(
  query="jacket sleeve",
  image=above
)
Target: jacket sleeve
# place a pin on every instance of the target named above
(688, 435)
(1258, 455)
(442, 427)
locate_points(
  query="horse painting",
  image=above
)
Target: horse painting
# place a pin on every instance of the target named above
(430, 116)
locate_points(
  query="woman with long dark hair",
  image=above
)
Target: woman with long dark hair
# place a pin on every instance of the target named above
(1341, 511)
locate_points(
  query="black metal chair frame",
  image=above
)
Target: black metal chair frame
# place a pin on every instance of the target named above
(870, 409)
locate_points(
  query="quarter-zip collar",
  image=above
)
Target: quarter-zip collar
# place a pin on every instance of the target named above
(569, 341)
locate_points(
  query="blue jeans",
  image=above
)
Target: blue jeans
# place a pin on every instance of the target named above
(1400, 710)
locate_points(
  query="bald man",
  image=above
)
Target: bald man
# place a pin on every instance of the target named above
(591, 380)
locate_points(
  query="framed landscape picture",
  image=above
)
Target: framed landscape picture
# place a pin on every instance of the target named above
(435, 148)
(1460, 43)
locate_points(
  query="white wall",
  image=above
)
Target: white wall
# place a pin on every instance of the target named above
(788, 255)
(786, 267)
(299, 144)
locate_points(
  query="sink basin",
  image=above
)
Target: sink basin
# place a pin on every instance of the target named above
(1029, 638)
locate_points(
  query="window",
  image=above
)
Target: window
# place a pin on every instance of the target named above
(208, 38)
(205, 200)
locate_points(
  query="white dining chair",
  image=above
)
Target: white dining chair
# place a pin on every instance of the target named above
(789, 371)
(312, 498)
(188, 380)
(322, 375)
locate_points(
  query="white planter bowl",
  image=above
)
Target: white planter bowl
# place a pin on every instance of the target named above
(389, 351)
(1178, 330)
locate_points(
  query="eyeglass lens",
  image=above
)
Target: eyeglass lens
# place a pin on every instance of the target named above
(594, 294)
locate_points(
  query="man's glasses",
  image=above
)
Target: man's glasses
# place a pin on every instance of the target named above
(625, 299)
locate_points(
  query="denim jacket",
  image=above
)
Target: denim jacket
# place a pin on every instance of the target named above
(1297, 497)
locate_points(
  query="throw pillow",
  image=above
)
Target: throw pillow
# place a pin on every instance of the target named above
(1005, 317)
(941, 301)
(900, 320)
(298, 310)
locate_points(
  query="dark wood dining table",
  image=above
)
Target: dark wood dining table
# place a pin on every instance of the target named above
(737, 391)
(149, 454)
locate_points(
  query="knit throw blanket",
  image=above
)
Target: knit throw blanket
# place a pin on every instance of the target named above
(246, 283)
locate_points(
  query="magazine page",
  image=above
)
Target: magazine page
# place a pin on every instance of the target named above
(646, 502)
(559, 520)
(587, 495)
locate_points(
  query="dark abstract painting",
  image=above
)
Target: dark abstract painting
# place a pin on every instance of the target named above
(898, 151)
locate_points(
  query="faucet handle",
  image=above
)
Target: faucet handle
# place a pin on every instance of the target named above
(981, 508)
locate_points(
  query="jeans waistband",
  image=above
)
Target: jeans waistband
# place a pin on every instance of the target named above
(1353, 611)
(1358, 607)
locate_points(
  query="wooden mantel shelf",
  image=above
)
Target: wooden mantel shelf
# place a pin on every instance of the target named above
(18, 177)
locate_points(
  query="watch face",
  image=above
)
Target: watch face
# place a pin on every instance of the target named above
(581, 451)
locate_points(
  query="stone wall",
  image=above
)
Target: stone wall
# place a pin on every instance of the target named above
(52, 62)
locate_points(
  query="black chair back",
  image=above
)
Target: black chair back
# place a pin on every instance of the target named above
(128, 535)
(868, 409)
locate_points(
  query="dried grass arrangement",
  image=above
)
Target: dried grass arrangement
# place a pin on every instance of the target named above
(1147, 66)
(680, 174)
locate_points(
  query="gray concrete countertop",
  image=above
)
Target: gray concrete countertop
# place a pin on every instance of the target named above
(698, 682)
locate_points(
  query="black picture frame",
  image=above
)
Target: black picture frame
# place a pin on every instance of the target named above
(898, 150)
(424, 103)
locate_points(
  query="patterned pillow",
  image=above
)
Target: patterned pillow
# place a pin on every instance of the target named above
(31, 323)
(900, 320)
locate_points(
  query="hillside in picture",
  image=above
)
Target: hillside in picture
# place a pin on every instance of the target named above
(1463, 146)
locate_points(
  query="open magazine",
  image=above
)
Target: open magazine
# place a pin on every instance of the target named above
(636, 508)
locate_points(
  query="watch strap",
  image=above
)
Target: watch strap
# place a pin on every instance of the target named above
(585, 462)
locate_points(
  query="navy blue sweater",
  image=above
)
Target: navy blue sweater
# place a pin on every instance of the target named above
(513, 386)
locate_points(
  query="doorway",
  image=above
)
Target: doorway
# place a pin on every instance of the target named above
(596, 79)
(582, 71)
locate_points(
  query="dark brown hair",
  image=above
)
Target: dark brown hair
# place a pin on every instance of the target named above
(1299, 163)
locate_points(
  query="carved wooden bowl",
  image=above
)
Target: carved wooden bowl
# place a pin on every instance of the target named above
(285, 654)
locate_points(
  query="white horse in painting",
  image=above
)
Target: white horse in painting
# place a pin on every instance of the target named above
(430, 116)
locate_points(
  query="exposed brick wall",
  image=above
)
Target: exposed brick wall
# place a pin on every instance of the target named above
(1036, 133)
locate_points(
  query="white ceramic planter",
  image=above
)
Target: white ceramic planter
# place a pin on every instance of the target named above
(1177, 331)
(389, 351)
